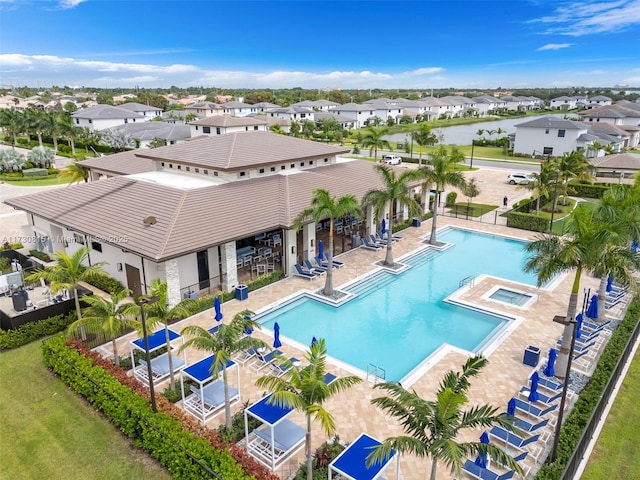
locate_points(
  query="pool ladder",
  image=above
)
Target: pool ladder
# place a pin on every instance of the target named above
(467, 281)
(375, 374)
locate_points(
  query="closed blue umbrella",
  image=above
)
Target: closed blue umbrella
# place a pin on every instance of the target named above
(609, 283)
(217, 308)
(384, 226)
(276, 336)
(549, 370)
(592, 310)
(314, 340)
(533, 389)
(579, 320)
(511, 407)
(634, 246)
(481, 460)
(248, 330)
(320, 250)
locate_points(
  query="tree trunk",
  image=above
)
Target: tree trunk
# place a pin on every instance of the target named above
(227, 404)
(172, 384)
(114, 344)
(307, 450)
(388, 260)
(602, 297)
(434, 466)
(563, 357)
(328, 284)
(83, 332)
(436, 201)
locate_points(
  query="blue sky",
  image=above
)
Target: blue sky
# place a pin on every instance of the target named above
(328, 44)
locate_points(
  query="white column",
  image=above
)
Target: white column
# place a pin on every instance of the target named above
(289, 252)
(172, 276)
(309, 240)
(370, 222)
(229, 273)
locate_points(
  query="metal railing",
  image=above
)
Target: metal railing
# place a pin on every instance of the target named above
(492, 217)
(467, 281)
(376, 373)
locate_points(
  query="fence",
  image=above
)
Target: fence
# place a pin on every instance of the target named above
(598, 412)
(494, 217)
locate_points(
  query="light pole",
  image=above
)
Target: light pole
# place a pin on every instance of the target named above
(473, 144)
(563, 321)
(141, 302)
(553, 204)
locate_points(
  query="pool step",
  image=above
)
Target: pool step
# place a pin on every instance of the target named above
(371, 283)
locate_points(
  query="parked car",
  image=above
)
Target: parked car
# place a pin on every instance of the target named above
(391, 159)
(519, 178)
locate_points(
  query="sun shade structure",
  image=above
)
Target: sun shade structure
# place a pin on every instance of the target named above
(160, 364)
(273, 442)
(352, 462)
(206, 400)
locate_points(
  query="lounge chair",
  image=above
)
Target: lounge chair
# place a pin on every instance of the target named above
(366, 244)
(213, 394)
(579, 346)
(531, 409)
(527, 426)
(384, 236)
(549, 384)
(376, 241)
(302, 273)
(484, 473)
(261, 361)
(319, 263)
(244, 356)
(286, 437)
(278, 369)
(511, 439)
(314, 270)
(336, 263)
(329, 377)
(609, 304)
(213, 330)
(595, 327)
(542, 398)
(159, 367)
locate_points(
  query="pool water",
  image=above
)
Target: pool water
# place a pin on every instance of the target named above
(397, 321)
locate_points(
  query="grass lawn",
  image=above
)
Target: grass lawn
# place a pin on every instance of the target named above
(617, 451)
(48, 432)
(472, 209)
(35, 183)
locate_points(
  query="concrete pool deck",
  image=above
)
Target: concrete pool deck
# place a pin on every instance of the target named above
(352, 410)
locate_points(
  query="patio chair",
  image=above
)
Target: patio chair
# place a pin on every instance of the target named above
(213, 395)
(319, 263)
(261, 361)
(304, 274)
(384, 236)
(159, 368)
(336, 263)
(477, 471)
(312, 269)
(549, 384)
(278, 369)
(579, 346)
(329, 377)
(244, 356)
(286, 437)
(533, 410)
(595, 327)
(511, 439)
(542, 398)
(527, 426)
(366, 244)
(377, 241)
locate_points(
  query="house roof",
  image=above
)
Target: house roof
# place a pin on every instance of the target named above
(105, 112)
(618, 161)
(236, 104)
(227, 121)
(139, 107)
(150, 130)
(553, 122)
(124, 163)
(240, 150)
(190, 220)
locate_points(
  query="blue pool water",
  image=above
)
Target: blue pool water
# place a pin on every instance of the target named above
(396, 321)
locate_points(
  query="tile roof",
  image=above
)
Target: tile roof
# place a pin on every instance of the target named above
(150, 130)
(619, 161)
(124, 163)
(227, 121)
(554, 122)
(105, 112)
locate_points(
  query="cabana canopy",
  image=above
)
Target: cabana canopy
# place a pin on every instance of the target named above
(351, 463)
(205, 402)
(160, 364)
(277, 438)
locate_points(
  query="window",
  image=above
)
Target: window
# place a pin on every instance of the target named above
(197, 170)
(171, 165)
(326, 160)
(215, 174)
(293, 165)
(90, 121)
(188, 169)
(78, 238)
(273, 169)
(179, 167)
(302, 164)
(561, 133)
(261, 170)
(206, 172)
(546, 131)
(310, 162)
(97, 246)
(77, 121)
(255, 127)
(206, 129)
(218, 131)
(282, 167)
(126, 120)
(162, 163)
(242, 174)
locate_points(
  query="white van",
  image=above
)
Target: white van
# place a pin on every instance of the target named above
(391, 159)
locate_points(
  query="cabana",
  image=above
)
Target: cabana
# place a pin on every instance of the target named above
(207, 399)
(352, 461)
(273, 442)
(160, 364)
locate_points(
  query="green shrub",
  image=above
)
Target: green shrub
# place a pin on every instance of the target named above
(169, 435)
(11, 246)
(323, 456)
(527, 221)
(236, 432)
(40, 255)
(29, 332)
(53, 171)
(5, 265)
(451, 198)
(106, 284)
(35, 172)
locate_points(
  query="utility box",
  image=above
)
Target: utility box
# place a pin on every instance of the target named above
(242, 292)
(416, 222)
(190, 294)
(531, 356)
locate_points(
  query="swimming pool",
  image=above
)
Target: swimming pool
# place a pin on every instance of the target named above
(396, 321)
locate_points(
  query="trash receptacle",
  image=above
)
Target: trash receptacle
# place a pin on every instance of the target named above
(531, 356)
(355, 241)
(242, 292)
(416, 223)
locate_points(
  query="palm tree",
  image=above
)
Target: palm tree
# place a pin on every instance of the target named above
(118, 139)
(10, 120)
(441, 170)
(580, 250)
(323, 206)
(304, 389)
(228, 340)
(74, 172)
(423, 137)
(541, 184)
(109, 315)
(41, 157)
(432, 426)
(373, 140)
(159, 312)
(396, 189)
(570, 166)
(471, 190)
(68, 272)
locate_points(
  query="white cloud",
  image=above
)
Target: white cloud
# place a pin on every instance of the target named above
(586, 18)
(554, 46)
(67, 4)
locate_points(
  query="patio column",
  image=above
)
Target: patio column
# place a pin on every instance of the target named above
(309, 240)
(289, 252)
(229, 267)
(369, 222)
(172, 276)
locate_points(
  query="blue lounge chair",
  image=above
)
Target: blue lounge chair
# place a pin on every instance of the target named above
(579, 346)
(595, 327)
(314, 270)
(542, 398)
(278, 369)
(366, 244)
(336, 263)
(213, 394)
(511, 439)
(245, 355)
(213, 330)
(384, 236)
(302, 273)
(531, 409)
(264, 360)
(484, 473)
(329, 377)
(527, 426)
(549, 384)
(318, 263)
(377, 241)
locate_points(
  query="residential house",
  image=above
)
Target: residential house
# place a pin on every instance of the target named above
(618, 166)
(146, 132)
(293, 114)
(620, 113)
(345, 122)
(204, 109)
(149, 112)
(361, 114)
(100, 117)
(597, 101)
(238, 109)
(223, 124)
(564, 103)
(550, 135)
(317, 105)
(385, 108)
(488, 105)
(262, 107)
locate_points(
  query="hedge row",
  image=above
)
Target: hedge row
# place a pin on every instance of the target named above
(166, 434)
(579, 417)
(29, 332)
